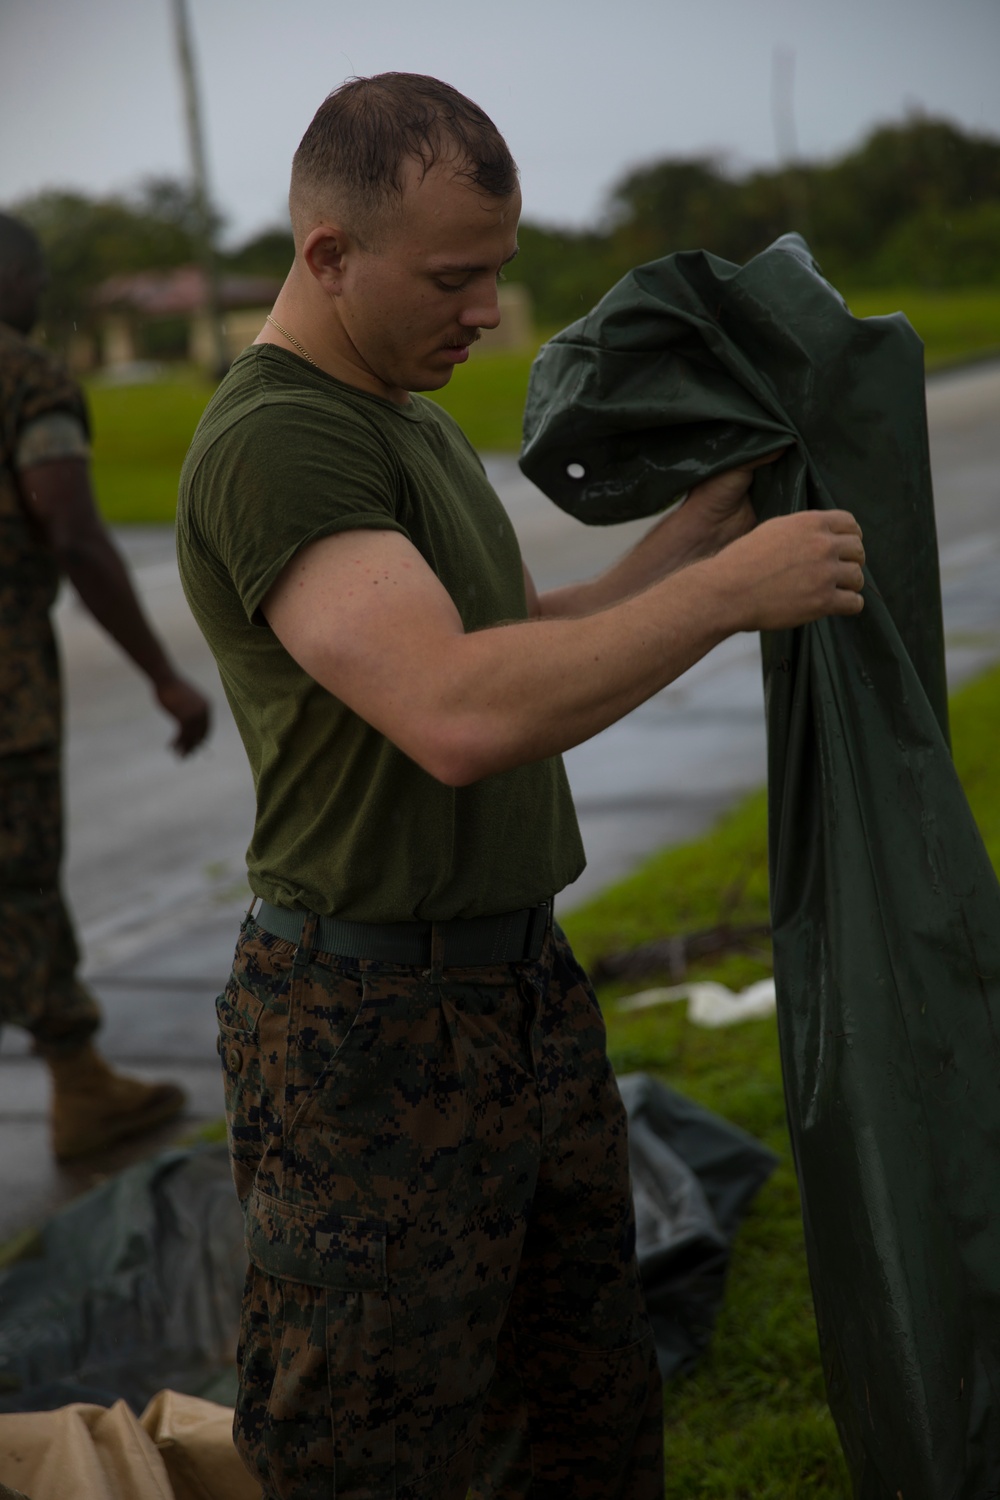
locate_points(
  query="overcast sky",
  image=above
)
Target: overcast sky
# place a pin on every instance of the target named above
(90, 96)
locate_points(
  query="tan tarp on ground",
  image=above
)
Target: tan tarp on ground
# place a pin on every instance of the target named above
(181, 1448)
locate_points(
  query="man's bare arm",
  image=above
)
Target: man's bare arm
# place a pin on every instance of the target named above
(58, 495)
(365, 616)
(713, 514)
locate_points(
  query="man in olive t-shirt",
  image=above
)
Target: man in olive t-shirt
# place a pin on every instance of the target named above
(347, 824)
(425, 1131)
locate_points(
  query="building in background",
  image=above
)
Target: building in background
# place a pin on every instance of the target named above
(163, 316)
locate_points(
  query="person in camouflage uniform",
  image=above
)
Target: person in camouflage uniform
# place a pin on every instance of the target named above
(425, 1130)
(49, 527)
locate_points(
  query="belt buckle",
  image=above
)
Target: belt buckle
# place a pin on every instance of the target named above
(539, 921)
(437, 954)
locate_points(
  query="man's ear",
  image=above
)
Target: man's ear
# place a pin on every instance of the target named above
(324, 251)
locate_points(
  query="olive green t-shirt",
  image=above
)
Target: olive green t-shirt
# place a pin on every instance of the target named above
(346, 823)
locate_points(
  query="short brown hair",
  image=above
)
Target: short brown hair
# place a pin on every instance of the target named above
(353, 153)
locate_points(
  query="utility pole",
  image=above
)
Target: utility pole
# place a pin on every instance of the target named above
(196, 147)
(786, 136)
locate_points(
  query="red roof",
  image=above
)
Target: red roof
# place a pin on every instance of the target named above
(181, 291)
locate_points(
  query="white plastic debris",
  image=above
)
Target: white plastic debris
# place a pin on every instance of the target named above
(710, 1004)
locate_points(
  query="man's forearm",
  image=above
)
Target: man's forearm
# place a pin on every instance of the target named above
(673, 542)
(713, 514)
(96, 570)
(59, 496)
(469, 705)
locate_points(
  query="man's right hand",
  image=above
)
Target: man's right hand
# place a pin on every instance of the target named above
(794, 569)
(189, 709)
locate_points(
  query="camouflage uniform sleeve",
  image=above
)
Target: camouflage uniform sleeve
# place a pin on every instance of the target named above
(33, 385)
(42, 417)
(57, 434)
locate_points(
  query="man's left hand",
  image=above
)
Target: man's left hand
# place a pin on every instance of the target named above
(723, 503)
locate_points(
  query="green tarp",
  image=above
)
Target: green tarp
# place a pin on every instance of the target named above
(886, 910)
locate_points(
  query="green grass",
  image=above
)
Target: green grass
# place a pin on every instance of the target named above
(486, 397)
(752, 1421)
(142, 432)
(955, 326)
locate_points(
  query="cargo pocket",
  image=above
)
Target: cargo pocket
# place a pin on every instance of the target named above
(328, 1333)
(238, 1013)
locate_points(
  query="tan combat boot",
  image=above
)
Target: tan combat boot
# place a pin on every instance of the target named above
(93, 1106)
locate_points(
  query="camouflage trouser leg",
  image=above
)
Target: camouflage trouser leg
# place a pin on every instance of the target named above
(439, 1223)
(39, 989)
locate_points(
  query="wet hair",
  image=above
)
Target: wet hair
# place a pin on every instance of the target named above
(351, 159)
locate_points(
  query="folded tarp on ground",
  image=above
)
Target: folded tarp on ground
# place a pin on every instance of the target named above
(693, 1178)
(886, 910)
(137, 1285)
(133, 1288)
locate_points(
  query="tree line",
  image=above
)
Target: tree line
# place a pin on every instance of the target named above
(916, 204)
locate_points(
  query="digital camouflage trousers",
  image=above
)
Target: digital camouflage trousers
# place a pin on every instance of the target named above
(442, 1295)
(39, 989)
